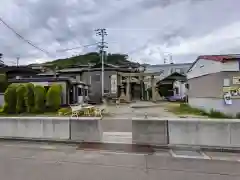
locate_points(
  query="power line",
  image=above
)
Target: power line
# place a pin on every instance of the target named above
(78, 47)
(21, 37)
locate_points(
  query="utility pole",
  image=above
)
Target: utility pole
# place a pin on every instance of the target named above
(102, 45)
(17, 63)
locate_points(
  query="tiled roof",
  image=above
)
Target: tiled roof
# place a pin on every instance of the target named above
(219, 58)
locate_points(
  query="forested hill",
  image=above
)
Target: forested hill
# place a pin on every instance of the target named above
(92, 58)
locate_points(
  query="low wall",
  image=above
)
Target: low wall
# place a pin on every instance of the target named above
(149, 131)
(55, 128)
(86, 129)
(215, 103)
(205, 132)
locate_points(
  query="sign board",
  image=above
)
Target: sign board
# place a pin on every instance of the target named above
(114, 84)
(236, 80)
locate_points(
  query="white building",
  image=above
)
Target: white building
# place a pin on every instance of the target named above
(210, 78)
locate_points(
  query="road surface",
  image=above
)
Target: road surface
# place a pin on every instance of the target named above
(24, 161)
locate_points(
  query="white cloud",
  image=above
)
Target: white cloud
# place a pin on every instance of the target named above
(145, 29)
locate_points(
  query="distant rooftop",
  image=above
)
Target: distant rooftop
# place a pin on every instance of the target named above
(173, 64)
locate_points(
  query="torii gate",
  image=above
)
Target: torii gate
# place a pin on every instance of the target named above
(127, 97)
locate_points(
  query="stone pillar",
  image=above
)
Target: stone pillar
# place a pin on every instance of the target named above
(153, 89)
(122, 94)
(128, 95)
(157, 96)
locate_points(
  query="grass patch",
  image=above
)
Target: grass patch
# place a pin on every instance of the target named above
(185, 109)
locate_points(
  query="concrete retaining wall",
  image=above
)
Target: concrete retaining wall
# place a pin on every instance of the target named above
(149, 131)
(55, 128)
(86, 129)
(206, 132)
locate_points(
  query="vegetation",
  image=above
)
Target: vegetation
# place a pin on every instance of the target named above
(92, 58)
(64, 111)
(29, 97)
(3, 83)
(53, 97)
(185, 109)
(39, 99)
(20, 105)
(10, 99)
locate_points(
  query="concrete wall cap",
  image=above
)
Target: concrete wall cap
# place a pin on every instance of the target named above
(51, 118)
(35, 118)
(204, 120)
(85, 118)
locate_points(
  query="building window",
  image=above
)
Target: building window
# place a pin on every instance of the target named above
(178, 70)
(96, 77)
(182, 71)
(177, 90)
(80, 92)
(106, 91)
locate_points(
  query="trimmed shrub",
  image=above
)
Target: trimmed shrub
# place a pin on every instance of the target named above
(39, 99)
(29, 97)
(20, 106)
(10, 99)
(53, 97)
(64, 111)
(3, 83)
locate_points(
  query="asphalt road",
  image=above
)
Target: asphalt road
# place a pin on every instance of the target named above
(58, 162)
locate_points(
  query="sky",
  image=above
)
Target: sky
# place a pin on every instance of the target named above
(147, 30)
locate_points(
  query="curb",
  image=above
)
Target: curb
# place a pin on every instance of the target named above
(122, 147)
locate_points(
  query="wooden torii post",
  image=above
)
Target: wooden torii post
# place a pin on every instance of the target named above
(127, 97)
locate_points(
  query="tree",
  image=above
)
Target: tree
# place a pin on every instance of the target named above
(10, 99)
(29, 97)
(92, 58)
(53, 97)
(3, 83)
(21, 91)
(39, 99)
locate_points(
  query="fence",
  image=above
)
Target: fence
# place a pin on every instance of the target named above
(155, 131)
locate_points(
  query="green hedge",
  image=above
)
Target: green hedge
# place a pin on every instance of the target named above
(3, 83)
(10, 99)
(29, 97)
(53, 97)
(39, 99)
(21, 91)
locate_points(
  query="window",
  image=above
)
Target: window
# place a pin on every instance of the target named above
(80, 92)
(96, 77)
(106, 91)
(177, 90)
(178, 70)
(85, 92)
(182, 71)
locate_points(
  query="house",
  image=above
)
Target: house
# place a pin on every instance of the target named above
(168, 69)
(173, 85)
(18, 71)
(92, 75)
(73, 92)
(210, 78)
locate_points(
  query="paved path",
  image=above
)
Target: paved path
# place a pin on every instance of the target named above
(48, 162)
(141, 108)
